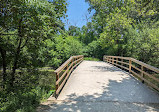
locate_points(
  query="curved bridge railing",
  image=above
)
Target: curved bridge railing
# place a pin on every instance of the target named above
(146, 73)
(64, 71)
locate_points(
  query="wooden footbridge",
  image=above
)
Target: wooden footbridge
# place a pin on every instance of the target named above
(120, 84)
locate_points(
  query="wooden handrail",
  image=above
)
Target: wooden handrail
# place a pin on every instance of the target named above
(67, 67)
(129, 65)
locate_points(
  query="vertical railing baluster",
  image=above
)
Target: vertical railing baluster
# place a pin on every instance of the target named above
(122, 61)
(130, 65)
(57, 85)
(111, 60)
(116, 60)
(142, 73)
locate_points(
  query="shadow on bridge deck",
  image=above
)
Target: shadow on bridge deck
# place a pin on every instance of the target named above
(101, 87)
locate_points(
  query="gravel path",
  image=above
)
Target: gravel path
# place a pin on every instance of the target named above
(96, 86)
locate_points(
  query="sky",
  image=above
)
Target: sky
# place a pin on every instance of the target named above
(77, 11)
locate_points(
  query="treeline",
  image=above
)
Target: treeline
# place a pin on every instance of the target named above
(32, 36)
(122, 28)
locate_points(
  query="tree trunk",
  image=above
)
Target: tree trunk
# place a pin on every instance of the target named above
(14, 68)
(16, 54)
(4, 64)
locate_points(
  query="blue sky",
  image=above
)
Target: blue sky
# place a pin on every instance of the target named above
(77, 11)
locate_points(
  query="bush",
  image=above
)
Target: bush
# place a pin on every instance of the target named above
(59, 49)
(94, 50)
(31, 87)
(91, 59)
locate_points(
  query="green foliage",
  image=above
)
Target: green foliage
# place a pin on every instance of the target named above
(59, 49)
(74, 31)
(88, 33)
(73, 47)
(127, 28)
(94, 50)
(32, 87)
(147, 44)
(26, 26)
(91, 59)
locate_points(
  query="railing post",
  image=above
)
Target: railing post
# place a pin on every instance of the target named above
(73, 62)
(57, 86)
(129, 65)
(142, 74)
(122, 61)
(112, 60)
(67, 68)
(76, 61)
(116, 60)
(103, 58)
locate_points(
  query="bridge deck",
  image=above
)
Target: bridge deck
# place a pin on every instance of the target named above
(99, 86)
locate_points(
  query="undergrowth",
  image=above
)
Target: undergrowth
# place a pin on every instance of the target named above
(31, 87)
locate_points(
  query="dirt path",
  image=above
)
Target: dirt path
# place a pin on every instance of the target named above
(101, 87)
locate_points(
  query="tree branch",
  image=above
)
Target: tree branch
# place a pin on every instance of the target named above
(25, 43)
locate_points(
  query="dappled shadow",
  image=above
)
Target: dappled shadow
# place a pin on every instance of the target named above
(108, 89)
(123, 95)
(105, 68)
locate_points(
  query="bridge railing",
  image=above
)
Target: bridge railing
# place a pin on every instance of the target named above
(146, 73)
(63, 72)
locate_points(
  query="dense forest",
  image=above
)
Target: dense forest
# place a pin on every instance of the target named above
(33, 38)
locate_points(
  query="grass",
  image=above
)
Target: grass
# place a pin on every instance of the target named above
(31, 88)
(91, 59)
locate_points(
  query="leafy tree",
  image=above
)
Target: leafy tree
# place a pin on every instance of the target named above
(74, 31)
(88, 33)
(125, 27)
(94, 50)
(59, 49)
(73, 46)
(27, 26)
